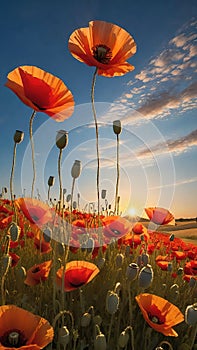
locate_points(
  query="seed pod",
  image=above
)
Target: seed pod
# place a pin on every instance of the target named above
(132, 271)
(14, 231)
(5, 263)
(51, 181)
(191, 314)
(103, 194)
(63, 336)
(145, 258)
(117, 127)
(18, 136)
(13, 339)
(74, 205)
(47, 234)
(112, 302)
(123, 339)
(85, 319)
(119, 260)
(145, 277)
(76, 169)
(100, 342)
(61, 139)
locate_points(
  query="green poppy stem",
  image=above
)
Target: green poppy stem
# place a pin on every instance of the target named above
(97, 145)
(117, 178)
(60, 176)
(32, 151)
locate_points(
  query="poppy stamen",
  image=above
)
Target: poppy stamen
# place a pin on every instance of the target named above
(13, 339)
(102, 53)
(154, 319)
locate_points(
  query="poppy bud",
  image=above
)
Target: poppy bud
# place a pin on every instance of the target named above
(180, 271)
(76, 169)
(191, 314)
(100, 342)
(60, 248)
(145, 277)
(68, 198)
(127, 250)
(117, 127)
(171, 238)
(103, 194)
(132, 271)
(18, 136)
(63, 336)
(74, 205)
(119, 260)
(85, 319)
(90, 245)
(145, 258)
(192, 282)
(123, 339)
(61, 139)
(100, 262)
(169, 268)
(139, 260)
(112, 302)
(47, 234)
(51, 181)
(14, 231)
(97, 320)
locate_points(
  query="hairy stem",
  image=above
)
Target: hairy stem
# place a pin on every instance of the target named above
(60, 176)
(118, 177)
(32, 151)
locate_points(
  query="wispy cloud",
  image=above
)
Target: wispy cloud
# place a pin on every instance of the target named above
(169, 82)
(177, 183)
(177, 146)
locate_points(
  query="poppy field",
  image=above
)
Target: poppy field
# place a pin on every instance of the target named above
(74, 279)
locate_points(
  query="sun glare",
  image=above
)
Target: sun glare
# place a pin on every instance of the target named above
(132, 211)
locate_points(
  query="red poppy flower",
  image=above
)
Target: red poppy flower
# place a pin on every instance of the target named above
(179, 255)
(190, 267)
(15, 259)
(77, 274)
(115, 227)
(41, 245)
(38, 273)
(23, 330)
(35, 211)
(139, 229)
(159, 216)
(41, 91)
(159, 313)
(105, 46)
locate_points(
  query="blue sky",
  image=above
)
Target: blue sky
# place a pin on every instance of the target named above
(156, 103)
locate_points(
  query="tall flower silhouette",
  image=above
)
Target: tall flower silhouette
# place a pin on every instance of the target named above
(159, 313)
(23, 330)
(43, 92)
(105, 46)
(159, 216)
(77, 274)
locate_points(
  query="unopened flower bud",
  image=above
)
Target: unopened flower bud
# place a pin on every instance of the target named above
(100, 342)
(74, 205)
(180, 271)
(61, 139)
(97, 320)
(117, 127)
(21, 273)
(100, 262)
(191, 314)
(127, 250)
(90, 245)
(103, 194)
(132, 271)
(51, 181)
(47, 234)
(145, 258)
(63, 336)
(68, 198)
(112, 302)
(169, 267)
(18, 136)
(119, 260)
(145, 277)
(123, 339)
(14, 231)
(85, 319)
(76, 169)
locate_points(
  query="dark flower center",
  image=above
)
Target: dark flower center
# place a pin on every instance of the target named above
(34, 218)
(154, 319)
(116, 232)
(102, 53)
(37, 269)
(13, 339)
(76, 285)
(40, 108)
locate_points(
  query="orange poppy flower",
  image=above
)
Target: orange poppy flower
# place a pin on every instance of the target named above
(190, 267)
(41, 245)
(159, 216)
(105, 46)
(159, 313)
(115, 227)
(23, 330)
(35, 211)
(77, 274)
(139, 229)
(41, 91)
(38, 273)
